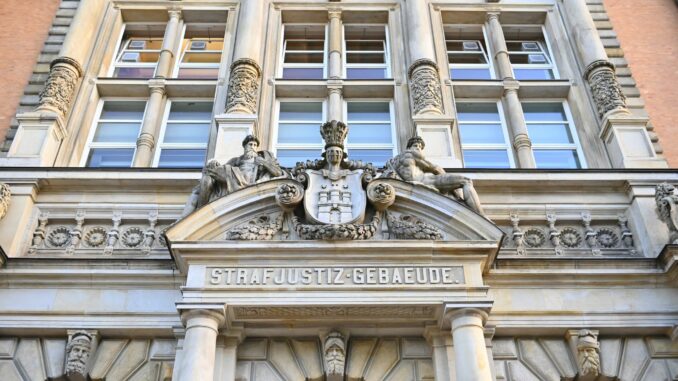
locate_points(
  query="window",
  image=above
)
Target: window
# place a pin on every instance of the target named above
(298, 134)
(529, 53)
(554, 140)
(366, 52)
(200, 52)
(113, 140)
(304, 48)
(183, 139)
(467, 52)
(483, 135)
(370, 136)
(139, 51)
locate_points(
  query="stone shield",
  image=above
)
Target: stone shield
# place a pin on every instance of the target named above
(334, 198)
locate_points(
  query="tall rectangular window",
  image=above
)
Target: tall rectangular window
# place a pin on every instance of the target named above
(370, 136)
(467, 52)
(139, 51)
(529, 53)
(200, 52)
(554, 140)
(366, 50)
(298, 134)
(304, 51)
(183, 139)
(484, 139)
(112, 142)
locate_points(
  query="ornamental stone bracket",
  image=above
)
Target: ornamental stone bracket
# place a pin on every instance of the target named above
(79, 358)
(607, 93)
(425, 87)
(585, 349)
(243, 87)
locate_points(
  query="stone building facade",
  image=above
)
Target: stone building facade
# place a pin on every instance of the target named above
(336, 190)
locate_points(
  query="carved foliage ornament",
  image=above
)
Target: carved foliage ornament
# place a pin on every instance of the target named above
(607, 93)
(243, 87)
(60, 86)
(5, 195)
(425, 87)
(667, 208)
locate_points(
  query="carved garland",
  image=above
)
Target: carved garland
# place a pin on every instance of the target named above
(58, 92)
(425, 87)
(243, 87)
(607, 93)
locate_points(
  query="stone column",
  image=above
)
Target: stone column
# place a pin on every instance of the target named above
(151, 125)
(200, 341)
(335, 62)
(335, 109)
(169, 43)
(470, 353)
(501, 55)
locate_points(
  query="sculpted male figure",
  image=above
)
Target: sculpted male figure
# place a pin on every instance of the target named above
(78, 352)
(413, 167)
(335, 356)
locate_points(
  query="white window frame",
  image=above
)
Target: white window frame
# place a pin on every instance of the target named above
(575, 146)
(178, 65)
(507, 146)
(545, 50)
(485, 49)
(165, 120)
(119, 49)
(283, 47)
(95, 123)
(387, 53)
(276, 122)
(370, 146)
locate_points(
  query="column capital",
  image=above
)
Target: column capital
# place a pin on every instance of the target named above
(452, 311)
(492, 14)
(233, 335)
(334, 13)
(189, 312)
(174, 13)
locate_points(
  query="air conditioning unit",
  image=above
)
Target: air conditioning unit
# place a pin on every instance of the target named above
(536, 59)
(529, 46)
(130, 57)
(471, 46)
(137, 44)
(198, 45)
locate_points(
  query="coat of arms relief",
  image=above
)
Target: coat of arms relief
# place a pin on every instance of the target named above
(333, 197)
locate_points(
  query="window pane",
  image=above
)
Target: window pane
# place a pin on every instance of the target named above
(533, 74)
(134, 72)
(305, 32)
(476, 58)
(191, 111)
(544, 112)
(310, 58)
(305, 111)
(303, 73)
(370, 133)
(182, 158)
(365, 58)
(195, 57)
(290, 157)
(293, 45)
(486, 159)
(142, 44)
(187, 133)
(123, 110)
(368, 111)
(110, 157)
(364, 45)
(477, 112)
(117, 132)
(378, 157)
(364, 32)
(195, 73)
(481, 134)
(365, 73)
(550, 133)
(556, 159)
(299, 133)
(458, 74)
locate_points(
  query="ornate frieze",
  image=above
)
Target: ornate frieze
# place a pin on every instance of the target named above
(243, 87)
(607, 93)
(666, 199)
(60, 86)
(425, 87)
(5, 195)
(409, 312)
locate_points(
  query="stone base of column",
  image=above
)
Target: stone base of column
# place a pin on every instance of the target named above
(628, 143)
(37, 140)
(437, 133)
(231, 130)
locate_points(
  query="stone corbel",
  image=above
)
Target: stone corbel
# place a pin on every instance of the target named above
(243, 87)
(607, 93)
(334, 355)
(586, 350)
(424, 79)
(80, 349)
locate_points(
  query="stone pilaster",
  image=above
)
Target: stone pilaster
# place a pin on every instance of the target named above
(199, 345)
(151, 125)
(227, 350)
(243, 87)
(443, 352)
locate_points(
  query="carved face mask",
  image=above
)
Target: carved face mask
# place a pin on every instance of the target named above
(334, 155)
(335, 359)
(77, 359)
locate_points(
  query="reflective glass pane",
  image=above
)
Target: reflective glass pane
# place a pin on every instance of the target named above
(182, 158)
(556, 159)
(481, 134)
(141, 44)
(141, 56)
(549, 133)
(486, 159)
(364, 45)
(364, 32)
(365, 73)
(110, 157)
(523, 46)
(299, 133)
(368, 111)
(370, 133)
(315, 58)
(533, 74)
(477, 112)
(187, 133)
(302, 73)
(134, 72)
(461, 58)
(544, 112)
(290, 157)
(297, 45)
(200, 57)
(305, 32)
(195, 73)
(123, 110)
(378, 157)
(191, 111)
(304, 111)
(365, 58)
(460, 74)
(117, 132)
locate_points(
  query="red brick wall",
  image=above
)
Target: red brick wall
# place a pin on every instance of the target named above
(648, 33)
(24, 25)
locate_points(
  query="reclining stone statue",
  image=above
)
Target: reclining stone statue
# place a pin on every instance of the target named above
(219, 180)
(412, 166)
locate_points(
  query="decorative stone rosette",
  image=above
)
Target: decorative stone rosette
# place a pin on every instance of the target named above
(607, 93)
(425, 87)
(60, 86)
(289, 195)
(243, 87)
(381, 195)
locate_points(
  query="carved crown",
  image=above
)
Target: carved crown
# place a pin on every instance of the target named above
(334, 133)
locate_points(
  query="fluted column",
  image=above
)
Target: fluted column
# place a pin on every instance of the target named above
(200, 342)
(150, 126)
(167, 53)
(470, 353)
(335, 61)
